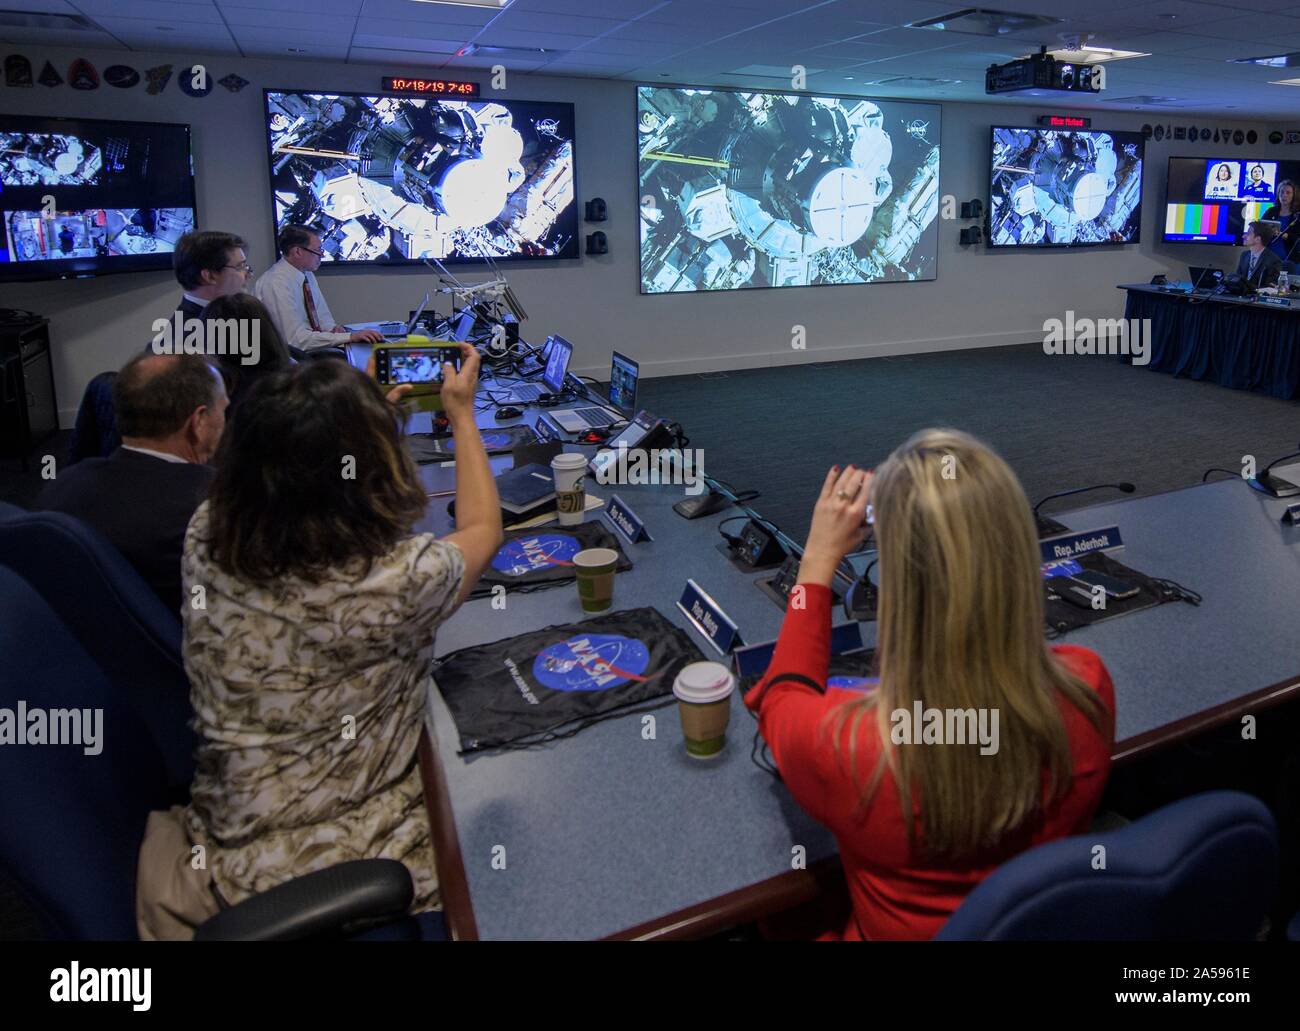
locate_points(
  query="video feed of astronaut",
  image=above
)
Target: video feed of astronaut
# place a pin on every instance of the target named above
(35, 236)
(85, 197)
(398, 179)
(1064, 189)
(741, 190)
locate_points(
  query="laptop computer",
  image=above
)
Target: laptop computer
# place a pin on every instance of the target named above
(464, 326)
(1205, 277)
(401, 330)
(557, 354)
(623, 376)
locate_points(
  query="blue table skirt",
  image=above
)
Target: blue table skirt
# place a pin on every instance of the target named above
(1240, 347)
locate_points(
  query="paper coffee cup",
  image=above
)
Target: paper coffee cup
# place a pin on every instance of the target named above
(703, 691)
(595, 568)
(569, 470)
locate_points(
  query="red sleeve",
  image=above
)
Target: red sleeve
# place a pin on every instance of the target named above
(790, 710)
(1091, 748)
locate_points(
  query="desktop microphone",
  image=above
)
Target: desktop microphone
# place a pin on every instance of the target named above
(1272, 485)
(1127, 488)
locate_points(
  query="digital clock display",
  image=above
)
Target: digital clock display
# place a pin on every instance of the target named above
(433, 87)
(1065, 122)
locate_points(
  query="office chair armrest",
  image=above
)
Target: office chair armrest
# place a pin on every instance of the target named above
(335, 902)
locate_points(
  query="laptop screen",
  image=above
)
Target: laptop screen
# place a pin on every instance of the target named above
(464, 326)
(415, 315)
(557, 365)
(623, 373)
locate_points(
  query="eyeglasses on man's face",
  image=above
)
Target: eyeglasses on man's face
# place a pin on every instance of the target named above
(243, 267)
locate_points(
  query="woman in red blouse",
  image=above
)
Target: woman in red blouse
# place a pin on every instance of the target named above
(1018, 749)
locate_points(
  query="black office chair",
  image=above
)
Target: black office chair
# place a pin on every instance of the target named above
(72, 823)
(116, 617)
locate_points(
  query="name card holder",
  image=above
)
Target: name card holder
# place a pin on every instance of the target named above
(625, 521)
(1076, 545)
(707, 617)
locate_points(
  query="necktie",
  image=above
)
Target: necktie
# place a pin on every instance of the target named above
(310, 302)
(1254, 260)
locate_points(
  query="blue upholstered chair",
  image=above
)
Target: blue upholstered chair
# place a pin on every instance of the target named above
(74, 813)
(1203, 868)
(119, 621)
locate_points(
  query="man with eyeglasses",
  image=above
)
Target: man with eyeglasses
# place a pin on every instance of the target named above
(292, 295)
(209, 265)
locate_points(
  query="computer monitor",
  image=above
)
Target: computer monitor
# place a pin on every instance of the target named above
(623, 375)
(557, 365)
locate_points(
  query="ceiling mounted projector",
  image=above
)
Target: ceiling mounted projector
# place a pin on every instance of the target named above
(1042, 72)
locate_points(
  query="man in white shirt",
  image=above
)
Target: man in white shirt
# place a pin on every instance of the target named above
(291, 294)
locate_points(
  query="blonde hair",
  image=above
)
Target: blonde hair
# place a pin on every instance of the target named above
(960, 626)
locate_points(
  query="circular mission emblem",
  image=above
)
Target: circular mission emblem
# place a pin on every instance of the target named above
(528, 554)
(592, 662)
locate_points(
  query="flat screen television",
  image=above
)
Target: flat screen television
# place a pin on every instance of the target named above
(395, 180)
(82, 197)
(1212, 200)
(758, 189)
(1064, 188)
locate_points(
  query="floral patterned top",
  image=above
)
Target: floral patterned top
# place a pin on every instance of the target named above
(309, 699)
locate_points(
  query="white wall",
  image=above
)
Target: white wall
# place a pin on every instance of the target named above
(981, 297)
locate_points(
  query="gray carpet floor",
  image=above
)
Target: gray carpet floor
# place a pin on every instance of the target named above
(1060, 421)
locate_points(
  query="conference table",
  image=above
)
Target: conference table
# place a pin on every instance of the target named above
(612, 833)
(1246, 343)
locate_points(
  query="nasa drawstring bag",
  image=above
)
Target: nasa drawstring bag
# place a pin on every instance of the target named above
(543, 557)
(554, 682)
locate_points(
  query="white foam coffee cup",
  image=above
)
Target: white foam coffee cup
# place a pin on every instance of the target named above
(703, 691)
(569, 470)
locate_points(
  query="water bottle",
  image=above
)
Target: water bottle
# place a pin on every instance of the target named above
(1284, 282)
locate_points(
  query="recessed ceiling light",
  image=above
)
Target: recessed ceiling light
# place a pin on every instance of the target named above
(1094, 55)
(1285, 82)
(979, 21)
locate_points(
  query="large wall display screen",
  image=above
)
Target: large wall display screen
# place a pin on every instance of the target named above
(745, 189)
(406, 179)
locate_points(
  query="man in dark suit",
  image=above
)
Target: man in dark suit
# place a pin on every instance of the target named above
(209, 265)
(1259, 266)
(171, 413)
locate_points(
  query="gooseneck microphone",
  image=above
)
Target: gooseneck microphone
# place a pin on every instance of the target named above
(1275, 486)
(1127, 488)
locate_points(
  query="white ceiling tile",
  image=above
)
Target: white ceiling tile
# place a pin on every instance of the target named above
(620, 9)
(493, 36)
(348, 7)
(310, 51)
(406, 43)
(639, 48)
(163, 10)
(427, 29)
(390, 55)
(59, 37)
(408, 10)
(338, 25)
(184, 43)
(299, 37)
(518, 19)
(40, 6)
